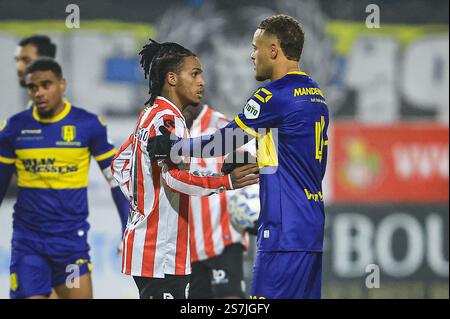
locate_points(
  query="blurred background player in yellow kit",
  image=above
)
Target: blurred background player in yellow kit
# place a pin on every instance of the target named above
(50, 145)
(30, 49)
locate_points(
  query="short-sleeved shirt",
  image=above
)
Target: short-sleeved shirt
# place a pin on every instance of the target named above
(292, 153)
(52, 158)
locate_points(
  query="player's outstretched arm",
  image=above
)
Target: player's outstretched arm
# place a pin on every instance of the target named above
(222, 142)
(195, 185)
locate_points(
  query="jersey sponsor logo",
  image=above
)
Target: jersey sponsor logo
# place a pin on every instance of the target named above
(46, 165)
(308, 91)
(67, 168)
(251, 110)
(24, 132)
(317, 100)
(315, 197)
(3, 125)
(68, 134)
(263, 95)
(30, 135)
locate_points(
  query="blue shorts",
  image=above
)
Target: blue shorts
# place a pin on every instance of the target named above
(39, 263)
(287, 275)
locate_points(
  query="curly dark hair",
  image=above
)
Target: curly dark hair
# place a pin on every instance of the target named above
(288, 31)
(157, 59)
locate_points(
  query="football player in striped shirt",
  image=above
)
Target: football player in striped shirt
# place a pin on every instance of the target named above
(156, 248)
(289, 119)
(49, 146)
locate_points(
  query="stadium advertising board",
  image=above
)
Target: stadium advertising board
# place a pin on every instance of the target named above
(403, 163)
(386, 251)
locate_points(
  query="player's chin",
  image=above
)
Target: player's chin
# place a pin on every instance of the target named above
(260, 77)
(196, 101)
(46, 112)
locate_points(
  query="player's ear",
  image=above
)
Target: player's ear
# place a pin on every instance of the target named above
(274, 51)
(62, 84)
(172, 78)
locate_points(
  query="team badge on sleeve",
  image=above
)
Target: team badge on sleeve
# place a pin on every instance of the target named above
(263, 95)
(251, 110)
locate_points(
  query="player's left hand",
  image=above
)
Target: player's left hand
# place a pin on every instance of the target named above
(158, 147)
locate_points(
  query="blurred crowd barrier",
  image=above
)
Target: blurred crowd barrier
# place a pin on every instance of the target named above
(387, 181)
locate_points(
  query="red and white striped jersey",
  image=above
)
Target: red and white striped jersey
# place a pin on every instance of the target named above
(211, 230)
(156, 240)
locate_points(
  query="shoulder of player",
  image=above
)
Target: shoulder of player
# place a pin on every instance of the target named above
(17, 120)
(288, 90)
(80, 111)
(270, 92)
(165, 113)
(84, 115)
(164, 117)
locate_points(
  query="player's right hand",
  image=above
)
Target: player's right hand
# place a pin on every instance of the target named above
(158, 147)
(245, 175)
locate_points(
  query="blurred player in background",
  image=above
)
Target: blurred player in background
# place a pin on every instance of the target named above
(50, 146)
(156, 248)
(288, 264)
(29, 49)
(216, 246)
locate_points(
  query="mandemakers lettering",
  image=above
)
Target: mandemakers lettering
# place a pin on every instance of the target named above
(46, 165)
(308, 91)
(251, 110)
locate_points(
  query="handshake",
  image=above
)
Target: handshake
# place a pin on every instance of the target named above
(241, 165)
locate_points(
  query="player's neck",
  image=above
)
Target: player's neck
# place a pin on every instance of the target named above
(282, 69)
(60, 108)
(54, 113)
(172, 97)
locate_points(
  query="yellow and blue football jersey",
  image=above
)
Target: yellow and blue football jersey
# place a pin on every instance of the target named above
(289, 117)
(51, 158)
